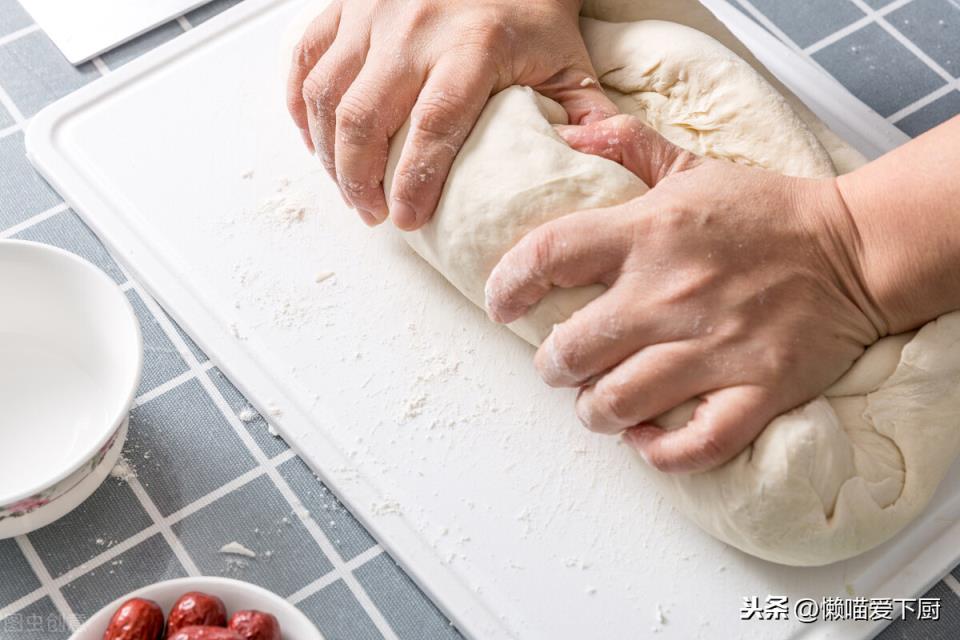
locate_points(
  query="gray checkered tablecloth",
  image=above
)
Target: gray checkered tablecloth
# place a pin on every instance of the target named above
(171, 516)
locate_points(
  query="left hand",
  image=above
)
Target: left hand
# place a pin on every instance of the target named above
(363, 67)
(734, 285)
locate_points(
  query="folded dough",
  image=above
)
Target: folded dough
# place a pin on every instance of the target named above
(824, 482)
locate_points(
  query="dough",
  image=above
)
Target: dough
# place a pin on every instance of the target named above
(689, 87)
(694, 14)
(826, 481)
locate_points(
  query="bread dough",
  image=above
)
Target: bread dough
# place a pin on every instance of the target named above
(684, 83)
(826, 481)
(694, 14)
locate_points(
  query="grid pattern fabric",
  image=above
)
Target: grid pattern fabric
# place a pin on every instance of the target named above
(171, 514)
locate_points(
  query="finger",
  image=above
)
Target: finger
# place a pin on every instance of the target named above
(365, 124)
(586, 247)
(722, 426)
(627, 140)
(601, 335)
(650, 382)
(323, 89)
(448, 106)
(579, 92)
(317, 38)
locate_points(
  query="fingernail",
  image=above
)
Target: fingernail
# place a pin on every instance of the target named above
(596, 116)
(636, 442)
(376, 217)
(581, 413)
(403, 215)
(489, 297)
(554, 369)
(380, 214)
(368, 218)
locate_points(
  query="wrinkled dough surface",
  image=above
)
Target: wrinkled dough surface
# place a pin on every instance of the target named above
(824, 482)
(701, 96)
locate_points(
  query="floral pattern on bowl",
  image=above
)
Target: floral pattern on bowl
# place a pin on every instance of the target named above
(30, 504)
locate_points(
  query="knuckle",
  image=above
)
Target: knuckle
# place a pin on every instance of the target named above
(587, 413)
(691, 285)
(780, 359)
(356, 190)
(313, 88)
(539, 247)
(437, 114)
(561, 361)
(301, 54)
(414, 180)
(326, 159)
(657, 459)
(613, 403)
(356, 119)
(490, 35)
(318, 93)
(417, 18)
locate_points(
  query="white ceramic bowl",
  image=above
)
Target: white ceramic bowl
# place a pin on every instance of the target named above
(236, 595)
(70, 362)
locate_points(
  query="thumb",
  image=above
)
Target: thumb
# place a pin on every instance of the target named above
(579, 92)
(632, 143)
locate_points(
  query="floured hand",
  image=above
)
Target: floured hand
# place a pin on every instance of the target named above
(730, 284)
(364, 66)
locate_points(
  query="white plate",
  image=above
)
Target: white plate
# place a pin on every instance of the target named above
(236, 595)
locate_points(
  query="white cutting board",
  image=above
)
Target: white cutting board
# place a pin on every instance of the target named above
(83, 29)
(425, 418)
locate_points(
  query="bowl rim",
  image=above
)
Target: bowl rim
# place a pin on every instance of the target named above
(115, 421)
(208, 584)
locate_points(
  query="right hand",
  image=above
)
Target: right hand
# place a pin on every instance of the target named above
(364, 66)
(729, 286)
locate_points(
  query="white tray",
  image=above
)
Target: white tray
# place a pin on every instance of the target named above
(511, 517)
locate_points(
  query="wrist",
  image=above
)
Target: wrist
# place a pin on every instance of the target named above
(843, 249)
(903, 206)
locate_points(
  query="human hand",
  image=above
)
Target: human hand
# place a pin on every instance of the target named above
(728, 284)
(364, 66)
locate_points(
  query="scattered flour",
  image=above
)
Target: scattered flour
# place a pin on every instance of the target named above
(387, 507)
(237, 549)
(123, 471)
(414, 407)
(283, 210)
(660, 620)
(278, 220)
(248, 414)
